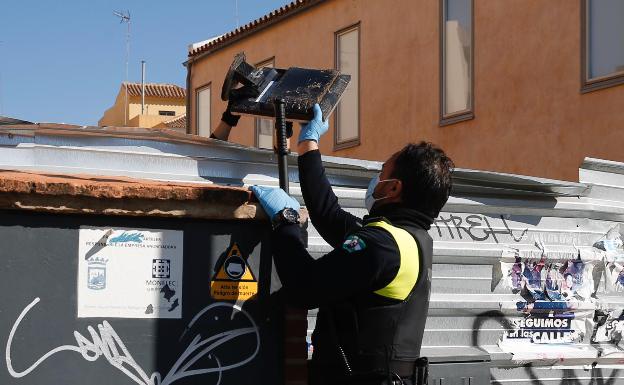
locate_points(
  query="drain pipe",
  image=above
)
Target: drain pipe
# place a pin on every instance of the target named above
(188, 66)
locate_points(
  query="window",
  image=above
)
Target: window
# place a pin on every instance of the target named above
(264, 133)
(264, 127)
(602, 57)
(457, 52)
(347, 119)
(166, 113)
(203, 111)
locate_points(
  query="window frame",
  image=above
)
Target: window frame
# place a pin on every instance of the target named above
(197, 91)
(355, 141)
(262, 63)
(468, 114)
(601, 82)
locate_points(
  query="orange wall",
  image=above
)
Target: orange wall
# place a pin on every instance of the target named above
(530, 117)
(154, 104)
(114, 116)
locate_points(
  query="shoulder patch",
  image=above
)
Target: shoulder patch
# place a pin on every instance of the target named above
(353, 243)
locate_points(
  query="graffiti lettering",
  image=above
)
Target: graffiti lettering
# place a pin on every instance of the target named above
(475, 227)
(106, 342)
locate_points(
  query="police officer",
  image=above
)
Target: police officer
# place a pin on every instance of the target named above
(373, 289)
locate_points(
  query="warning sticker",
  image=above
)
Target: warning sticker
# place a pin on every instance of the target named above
(234, 279)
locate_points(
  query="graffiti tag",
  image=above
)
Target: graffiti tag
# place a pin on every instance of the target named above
(475, 227)
(104, 341)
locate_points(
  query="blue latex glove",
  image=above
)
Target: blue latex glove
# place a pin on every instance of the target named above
(315, 127)
(274, 200)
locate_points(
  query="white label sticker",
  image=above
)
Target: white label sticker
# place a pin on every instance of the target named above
(129, 273)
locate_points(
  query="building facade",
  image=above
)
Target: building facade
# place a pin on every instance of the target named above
(164, 107)
(525, 87)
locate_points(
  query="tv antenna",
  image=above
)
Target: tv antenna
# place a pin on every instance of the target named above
(125, 18)
(236, 12)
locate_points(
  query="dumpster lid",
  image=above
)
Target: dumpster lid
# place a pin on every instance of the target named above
(476, 182)
(603, 165)
(97, 150)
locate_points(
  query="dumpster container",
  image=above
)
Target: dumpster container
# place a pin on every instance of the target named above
(118, 280)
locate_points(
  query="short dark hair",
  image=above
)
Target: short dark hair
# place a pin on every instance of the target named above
(425, 172)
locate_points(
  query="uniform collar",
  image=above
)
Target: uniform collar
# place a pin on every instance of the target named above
(399, 215)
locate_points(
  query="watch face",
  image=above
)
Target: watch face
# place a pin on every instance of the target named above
(291, 215)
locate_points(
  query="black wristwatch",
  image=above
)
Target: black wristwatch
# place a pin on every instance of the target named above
(286, 216)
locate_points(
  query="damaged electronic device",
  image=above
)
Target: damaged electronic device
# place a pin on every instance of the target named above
(253, 91)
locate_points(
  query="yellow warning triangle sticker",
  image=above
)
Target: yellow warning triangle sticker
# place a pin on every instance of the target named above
(234, 280)
(235, 267)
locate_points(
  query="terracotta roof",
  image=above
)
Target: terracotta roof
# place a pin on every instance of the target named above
(253, 26)
(177, 122)
(158, 90)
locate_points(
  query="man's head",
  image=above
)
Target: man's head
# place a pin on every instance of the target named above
(418, 176)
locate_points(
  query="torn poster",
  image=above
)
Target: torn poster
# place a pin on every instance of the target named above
(608, 327)
(548, 285)
(612, 248)
(553, 301)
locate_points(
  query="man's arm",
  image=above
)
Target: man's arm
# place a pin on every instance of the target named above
(228, 120)
(329, 219)
(368, 261)
(222, 132)
(307, 146)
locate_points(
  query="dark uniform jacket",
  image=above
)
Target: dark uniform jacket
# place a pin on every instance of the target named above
(372, 330)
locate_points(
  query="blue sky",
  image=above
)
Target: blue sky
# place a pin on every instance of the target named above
(64, 61)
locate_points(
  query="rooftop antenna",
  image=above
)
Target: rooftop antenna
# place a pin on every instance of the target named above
(236, 12)
(125, 18)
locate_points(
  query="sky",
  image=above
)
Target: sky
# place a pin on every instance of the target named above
(64, 61)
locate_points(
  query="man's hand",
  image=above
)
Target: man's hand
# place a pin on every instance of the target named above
(315, 127)
(274, 200)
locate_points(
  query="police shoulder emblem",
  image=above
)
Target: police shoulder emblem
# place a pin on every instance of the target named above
(353, 243)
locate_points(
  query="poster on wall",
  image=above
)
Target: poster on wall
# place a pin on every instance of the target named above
(609, 327)
(553, 302)
(614, 273)
(612, 247)
(129, 273)
(608, 320)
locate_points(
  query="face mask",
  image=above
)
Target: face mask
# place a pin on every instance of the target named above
(369, 199)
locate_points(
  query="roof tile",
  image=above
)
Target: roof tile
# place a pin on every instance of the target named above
(158, 90)
(177, 122)
(273, 16)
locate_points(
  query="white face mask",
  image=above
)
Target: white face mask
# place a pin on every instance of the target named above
(369, 199)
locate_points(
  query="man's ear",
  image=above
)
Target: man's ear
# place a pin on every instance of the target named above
(397, 189)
